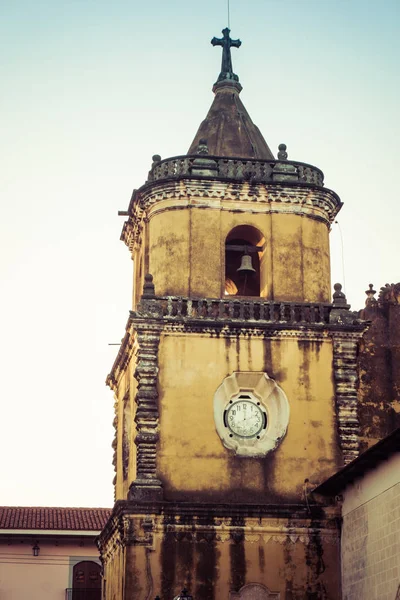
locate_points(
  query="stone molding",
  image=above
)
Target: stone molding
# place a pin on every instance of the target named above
(146, 486)
(125, 353)
(311, 332)
(114, 442)
(304, 199)
(345, 349)
(126, 431)
(273, 197)
(108, 547)
(133, 528)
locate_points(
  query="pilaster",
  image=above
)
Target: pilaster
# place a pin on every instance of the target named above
(148, 329)
(346, 330)
(345, 349)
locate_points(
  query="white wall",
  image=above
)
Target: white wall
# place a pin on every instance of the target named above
(371, 534)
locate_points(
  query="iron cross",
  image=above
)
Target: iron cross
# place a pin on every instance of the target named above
(226, 42)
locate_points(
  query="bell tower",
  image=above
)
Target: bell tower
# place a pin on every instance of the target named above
(235, 383)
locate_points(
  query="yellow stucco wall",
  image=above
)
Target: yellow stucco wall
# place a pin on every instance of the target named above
(187, 252)
(212, 564)
(126, 427)
(169, 257)
(192, 461)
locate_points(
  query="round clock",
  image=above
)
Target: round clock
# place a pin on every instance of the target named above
(244, 417)
(251, 413)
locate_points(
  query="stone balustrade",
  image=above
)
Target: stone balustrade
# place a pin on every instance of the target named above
(237, 169)
(231, 309)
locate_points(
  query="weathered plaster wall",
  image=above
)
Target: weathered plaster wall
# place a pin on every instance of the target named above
(187, 251)
(115, 576)
(169, 252)
(371, 534)
(125, 430)
(214, 556)
(192, 461)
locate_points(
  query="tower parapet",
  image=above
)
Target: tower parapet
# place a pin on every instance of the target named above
(280, 206)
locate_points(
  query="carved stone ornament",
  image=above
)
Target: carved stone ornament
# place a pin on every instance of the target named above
(251, 413)
(346, 377)
(203, 165)
(370, 292)
(390, 293)
(341, 313)
(254, 591)
(318, 202)
(146, 487)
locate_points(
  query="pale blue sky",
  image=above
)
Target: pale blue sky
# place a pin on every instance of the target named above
(90, 90)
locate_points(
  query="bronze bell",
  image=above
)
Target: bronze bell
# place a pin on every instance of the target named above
(246, 265)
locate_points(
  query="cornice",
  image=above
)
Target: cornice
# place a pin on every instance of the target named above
(135, 523)
(205, 514)
(301, 198)
(151, 319)
(246, 330)
(234, 329)
(298, 198)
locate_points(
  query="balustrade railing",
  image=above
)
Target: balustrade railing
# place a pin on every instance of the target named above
(231, 309)
(238, 169)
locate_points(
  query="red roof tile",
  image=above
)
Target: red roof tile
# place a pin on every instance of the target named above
(38, 517)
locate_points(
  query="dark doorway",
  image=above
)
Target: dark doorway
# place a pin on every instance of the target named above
(86, 581)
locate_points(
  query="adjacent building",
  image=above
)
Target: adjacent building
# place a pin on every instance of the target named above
(50, 553)
(368, 490)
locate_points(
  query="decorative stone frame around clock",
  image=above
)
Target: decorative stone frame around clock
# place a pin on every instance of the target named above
(272, 400)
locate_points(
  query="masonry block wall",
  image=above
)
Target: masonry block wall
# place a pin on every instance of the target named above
(371, 535)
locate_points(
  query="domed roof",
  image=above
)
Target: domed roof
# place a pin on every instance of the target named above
(228, 129)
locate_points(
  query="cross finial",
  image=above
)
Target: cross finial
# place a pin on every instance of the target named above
(226, 67)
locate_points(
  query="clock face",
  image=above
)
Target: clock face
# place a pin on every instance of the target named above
(244, 417)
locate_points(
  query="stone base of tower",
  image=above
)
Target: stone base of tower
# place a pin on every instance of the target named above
(249, 552)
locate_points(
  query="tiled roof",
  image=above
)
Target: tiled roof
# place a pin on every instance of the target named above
(37, 517)
(367, 461)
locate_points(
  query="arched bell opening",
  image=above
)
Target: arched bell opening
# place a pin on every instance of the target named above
(244, 249)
